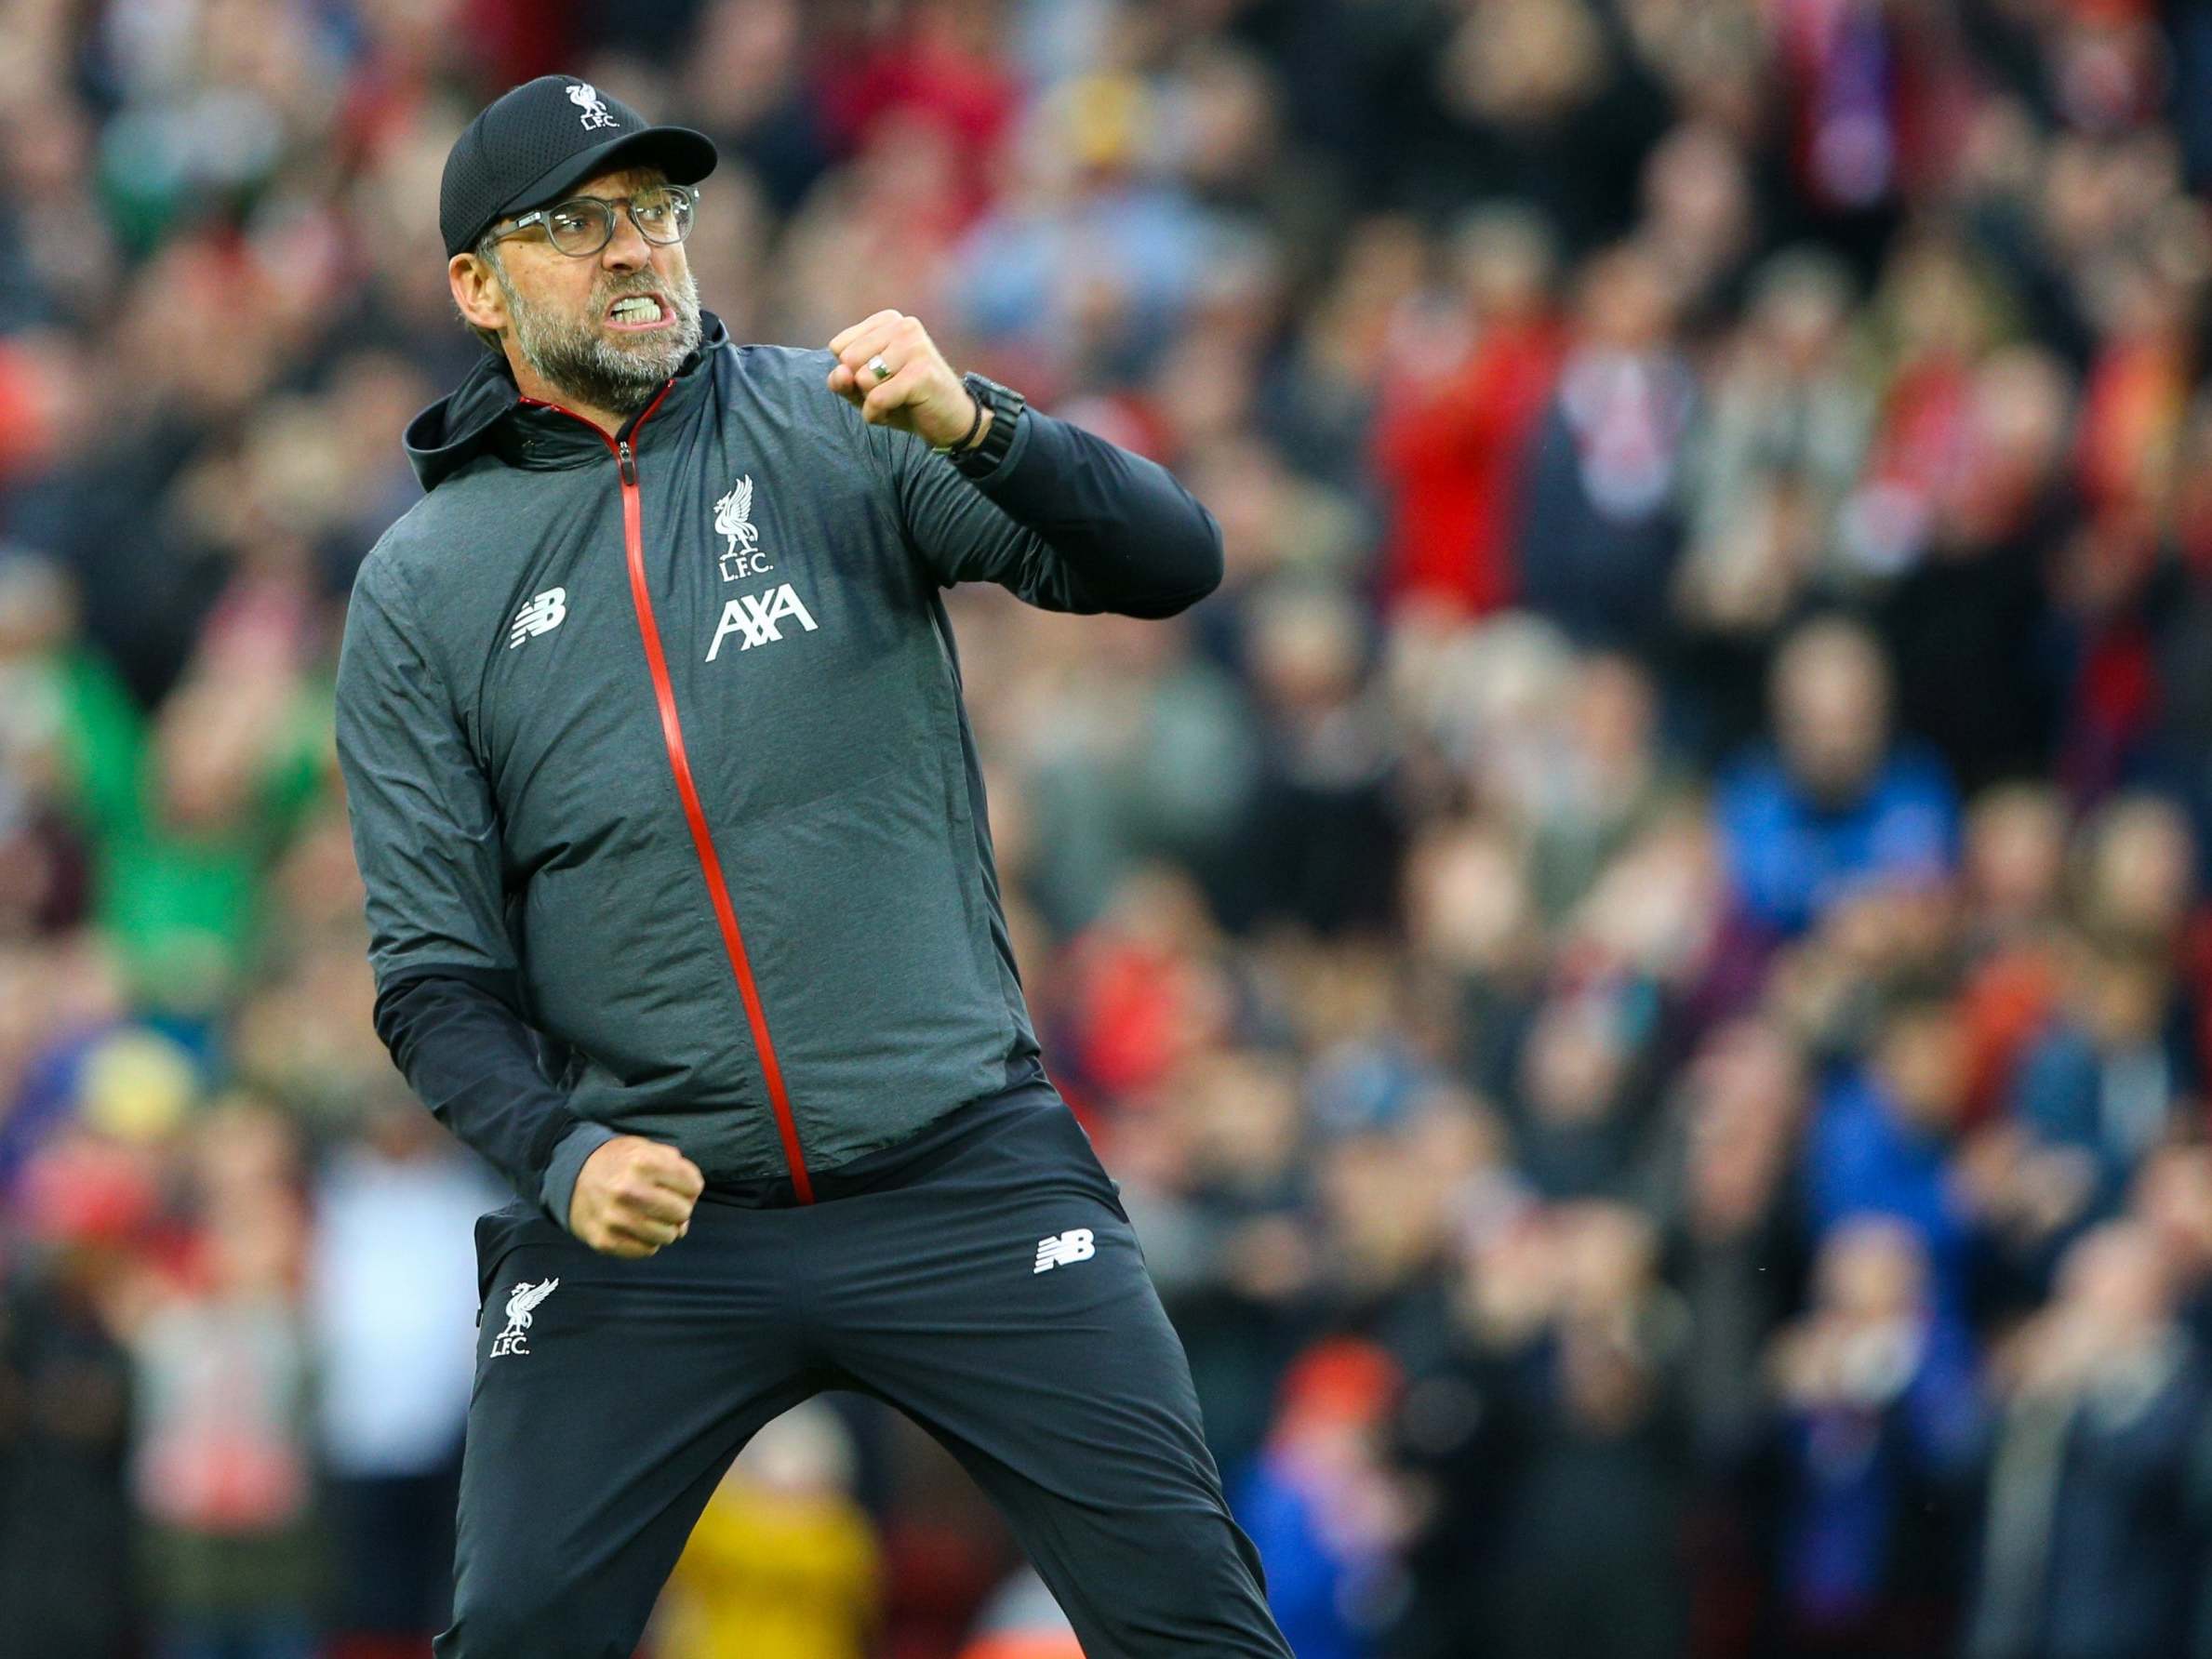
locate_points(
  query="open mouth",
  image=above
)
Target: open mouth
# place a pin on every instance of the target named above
(634, 314)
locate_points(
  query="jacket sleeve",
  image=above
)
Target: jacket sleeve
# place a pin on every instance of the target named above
(1068, 522)
(459, 1043)
(426, 839)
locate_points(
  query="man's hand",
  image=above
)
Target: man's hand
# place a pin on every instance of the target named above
(633, 1196)
(921, 394)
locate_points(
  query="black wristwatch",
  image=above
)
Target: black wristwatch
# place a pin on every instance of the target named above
(1006, 406)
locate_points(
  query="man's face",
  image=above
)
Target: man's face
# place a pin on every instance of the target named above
(1921, 1057)
(1872, 1270)
(560, 309)
(1831, 710)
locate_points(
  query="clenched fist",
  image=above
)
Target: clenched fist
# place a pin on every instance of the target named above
(633, 1196)
(917, 393)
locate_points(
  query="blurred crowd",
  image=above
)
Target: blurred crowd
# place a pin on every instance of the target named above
(1646, 964)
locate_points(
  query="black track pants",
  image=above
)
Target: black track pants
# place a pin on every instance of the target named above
(607, 1406)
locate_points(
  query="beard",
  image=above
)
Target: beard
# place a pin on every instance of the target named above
(603, 371)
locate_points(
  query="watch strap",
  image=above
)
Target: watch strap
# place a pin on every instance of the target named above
(1006, 406)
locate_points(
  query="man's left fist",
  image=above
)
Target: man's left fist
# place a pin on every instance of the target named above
(919, 392)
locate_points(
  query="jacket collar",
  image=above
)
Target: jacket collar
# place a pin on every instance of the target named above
(486, 415)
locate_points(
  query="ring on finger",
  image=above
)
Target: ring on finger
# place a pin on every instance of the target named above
(878, 367)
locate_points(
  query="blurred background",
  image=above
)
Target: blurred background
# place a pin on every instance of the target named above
(1645, 964)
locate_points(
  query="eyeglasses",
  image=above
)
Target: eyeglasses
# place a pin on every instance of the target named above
(582, 225)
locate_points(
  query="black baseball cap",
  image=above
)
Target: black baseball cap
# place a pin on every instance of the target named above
(545, 138)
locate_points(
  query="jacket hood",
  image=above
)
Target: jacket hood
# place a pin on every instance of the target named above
(470, 418)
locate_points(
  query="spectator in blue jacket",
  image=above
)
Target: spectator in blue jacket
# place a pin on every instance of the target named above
(1838, 802)
(1881, 1141)
(1880, 1432)
(2106, 1080)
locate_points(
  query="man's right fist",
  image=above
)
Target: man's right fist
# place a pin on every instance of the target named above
(633, 1196)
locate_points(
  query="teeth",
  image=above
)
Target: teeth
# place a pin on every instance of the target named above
(642, 309)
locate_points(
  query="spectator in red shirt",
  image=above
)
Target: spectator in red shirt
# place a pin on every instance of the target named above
(1458, 408)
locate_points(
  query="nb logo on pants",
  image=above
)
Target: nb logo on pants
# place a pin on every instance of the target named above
(754, 615)
(1070, 1247)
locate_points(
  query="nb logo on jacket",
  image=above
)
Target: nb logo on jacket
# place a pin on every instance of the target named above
(753, 618)
(542, 614)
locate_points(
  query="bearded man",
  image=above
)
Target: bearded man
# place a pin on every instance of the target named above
(684, 913)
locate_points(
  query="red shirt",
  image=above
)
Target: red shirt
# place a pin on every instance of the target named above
(1449, 449)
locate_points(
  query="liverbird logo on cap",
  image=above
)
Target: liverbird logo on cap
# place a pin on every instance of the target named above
(586, 98)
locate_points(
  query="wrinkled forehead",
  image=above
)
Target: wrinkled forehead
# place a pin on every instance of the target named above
(612, 185)
(620, 181)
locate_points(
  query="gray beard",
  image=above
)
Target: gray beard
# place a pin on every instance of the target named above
(576, 357)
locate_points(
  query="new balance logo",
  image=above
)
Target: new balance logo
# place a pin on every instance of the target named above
(753, 617)
(542, 614)
(516, 1339)
(1070, 1247)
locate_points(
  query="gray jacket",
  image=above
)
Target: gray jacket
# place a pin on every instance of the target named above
(664, 729)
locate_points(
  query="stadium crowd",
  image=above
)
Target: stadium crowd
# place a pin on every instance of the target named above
(1645, 966)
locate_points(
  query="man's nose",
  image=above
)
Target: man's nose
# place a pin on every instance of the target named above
(627, 249)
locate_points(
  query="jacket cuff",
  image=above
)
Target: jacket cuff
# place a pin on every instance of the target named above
(558, 1188)
(1025, 428)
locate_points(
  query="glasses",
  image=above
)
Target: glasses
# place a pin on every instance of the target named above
(582, 225)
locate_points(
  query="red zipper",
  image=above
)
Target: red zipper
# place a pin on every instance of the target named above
(695, 814)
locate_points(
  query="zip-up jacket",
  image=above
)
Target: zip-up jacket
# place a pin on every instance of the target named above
(654, 745)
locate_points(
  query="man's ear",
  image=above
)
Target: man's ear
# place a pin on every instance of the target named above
(476, 291)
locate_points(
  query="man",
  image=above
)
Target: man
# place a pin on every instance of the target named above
(684, 913)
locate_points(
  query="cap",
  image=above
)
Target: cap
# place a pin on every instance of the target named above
(544, 137)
